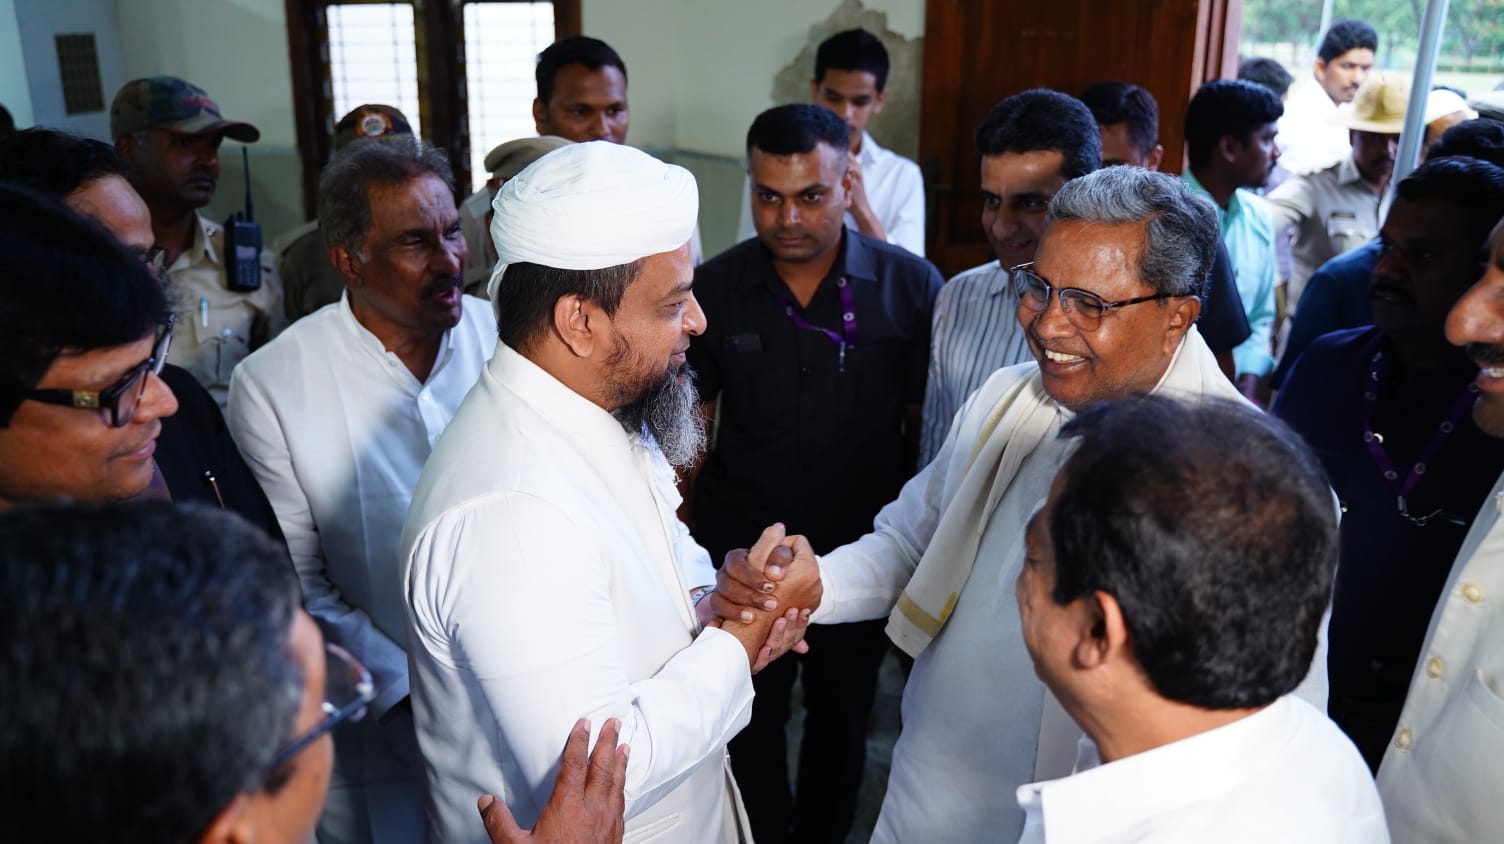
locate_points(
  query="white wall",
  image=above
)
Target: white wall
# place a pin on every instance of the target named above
(15, 92)
(701, 70)
(37, 24)
(236, 50)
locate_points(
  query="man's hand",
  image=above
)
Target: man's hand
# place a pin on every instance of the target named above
(783, 576)
(588, 804)
(861, 209)
(762, 594)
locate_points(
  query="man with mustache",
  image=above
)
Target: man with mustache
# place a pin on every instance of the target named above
(170, 132)
(1438, 778)
(839, 322)
(1387, 409)
(546, 574)
(337, 416)
(1336, 209)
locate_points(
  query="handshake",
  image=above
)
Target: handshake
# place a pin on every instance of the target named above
(764, 596)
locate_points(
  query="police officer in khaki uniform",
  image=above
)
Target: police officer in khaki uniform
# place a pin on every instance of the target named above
(170, 132)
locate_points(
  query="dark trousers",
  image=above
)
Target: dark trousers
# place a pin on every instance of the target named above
(839, 676)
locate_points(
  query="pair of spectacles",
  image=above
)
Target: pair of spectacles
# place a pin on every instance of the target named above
(121, 399)
(155, 260)
(348, 690)
(1083, 308)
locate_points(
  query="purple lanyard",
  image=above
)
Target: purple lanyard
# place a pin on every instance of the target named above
(1375, 442)
(847, 337)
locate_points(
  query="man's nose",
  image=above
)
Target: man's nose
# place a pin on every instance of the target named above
(788, 213)
(1478, 317)
(694, 317)
(158, 402)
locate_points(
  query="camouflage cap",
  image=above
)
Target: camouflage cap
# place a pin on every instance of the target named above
(167, 102)
(371, 120)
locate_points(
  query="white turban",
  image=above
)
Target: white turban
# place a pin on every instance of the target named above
(589, 206)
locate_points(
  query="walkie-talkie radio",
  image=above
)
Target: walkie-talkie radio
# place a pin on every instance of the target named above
(243, 241)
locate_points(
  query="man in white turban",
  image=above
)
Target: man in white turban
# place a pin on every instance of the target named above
(547, 577)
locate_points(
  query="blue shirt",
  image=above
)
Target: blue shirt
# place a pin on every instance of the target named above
(1336, 297)
(1248, 234)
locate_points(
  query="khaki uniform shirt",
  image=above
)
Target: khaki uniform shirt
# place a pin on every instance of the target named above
(1332, 211)
(217, 327)
(309, 281)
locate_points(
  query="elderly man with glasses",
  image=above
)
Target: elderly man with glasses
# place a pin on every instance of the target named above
(1107, 308)
(197, 458)
(83, 330)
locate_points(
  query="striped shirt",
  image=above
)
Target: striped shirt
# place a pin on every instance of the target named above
(975, 333)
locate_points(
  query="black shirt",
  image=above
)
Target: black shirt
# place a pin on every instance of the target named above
(807, 438)
(199, 460)
(1223, 323)
(1392, 571)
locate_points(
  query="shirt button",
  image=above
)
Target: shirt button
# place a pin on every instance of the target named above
(1472, 592)
(1402, 741)
(1433, 668)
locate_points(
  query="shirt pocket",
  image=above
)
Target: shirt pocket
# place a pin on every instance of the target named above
(1345, 232)
(220, 340)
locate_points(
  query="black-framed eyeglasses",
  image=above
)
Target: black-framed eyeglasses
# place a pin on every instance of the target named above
(155, 260)
(348, 690)
(121, 399)
(1083, 308)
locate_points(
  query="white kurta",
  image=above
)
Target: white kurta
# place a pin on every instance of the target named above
(548, 579)
(1308, 140)
(1285, 773)
(1441, 777)
(977, 722)
(336, 429)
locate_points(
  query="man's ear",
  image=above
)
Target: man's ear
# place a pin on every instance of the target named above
(1229, 148)
(1183, 313)
(814, 90)
(1116, 639)
(1090, 650)
(848, 183)
(879, 100)
(540, 112)
(579, 324)
(1156, 155)
(1320, 69)
(231, 825)
(126, 146)
(347, 264)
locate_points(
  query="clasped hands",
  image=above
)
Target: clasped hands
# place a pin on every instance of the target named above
(764, 595)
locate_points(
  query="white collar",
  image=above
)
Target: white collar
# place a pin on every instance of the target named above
(1131, 792)
(552, 399)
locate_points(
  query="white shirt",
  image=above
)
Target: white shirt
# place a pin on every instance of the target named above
(548, 579)
(895, 190)
(1285, 773)
(976, 720)
(1441, 776)
(336, 429)
(975, 332)
(1308, 141)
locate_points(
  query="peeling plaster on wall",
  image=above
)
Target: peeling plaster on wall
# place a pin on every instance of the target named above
(897, 125)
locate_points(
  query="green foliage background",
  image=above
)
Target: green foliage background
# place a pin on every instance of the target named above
(1472, 40)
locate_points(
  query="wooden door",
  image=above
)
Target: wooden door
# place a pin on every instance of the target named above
(978, 52)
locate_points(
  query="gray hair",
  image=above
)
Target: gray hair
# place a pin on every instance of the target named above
(1180, 226)
(344, 202)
